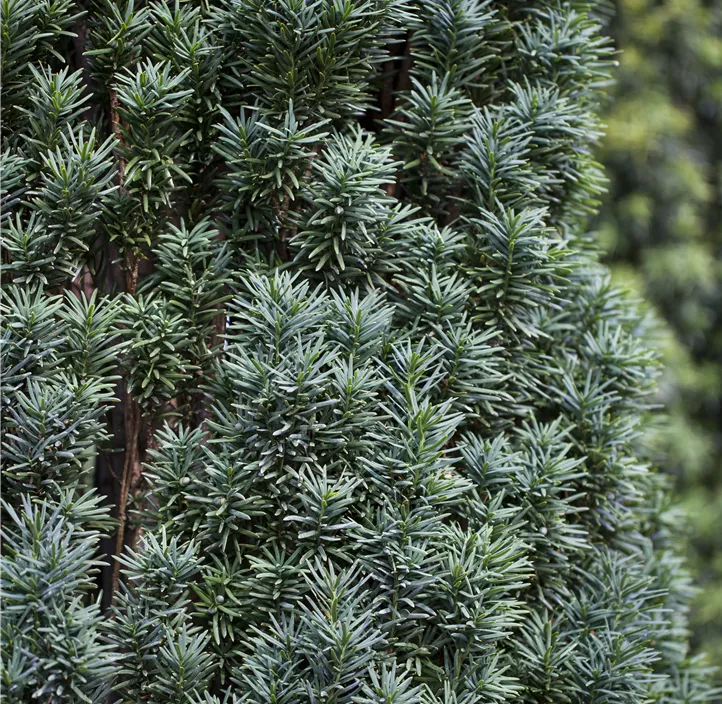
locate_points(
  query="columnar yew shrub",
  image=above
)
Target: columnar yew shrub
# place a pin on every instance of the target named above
(382, 408)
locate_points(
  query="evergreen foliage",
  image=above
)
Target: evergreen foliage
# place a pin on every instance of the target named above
(662, 216)
(382, 407)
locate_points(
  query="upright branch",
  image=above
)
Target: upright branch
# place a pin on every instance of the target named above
(132, 420)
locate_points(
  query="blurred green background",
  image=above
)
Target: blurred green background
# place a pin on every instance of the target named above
(661, 225)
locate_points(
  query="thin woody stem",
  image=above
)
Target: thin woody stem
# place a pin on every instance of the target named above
(132, 466)
(132, 430)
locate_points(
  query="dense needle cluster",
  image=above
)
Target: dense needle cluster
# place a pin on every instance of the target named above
(319, 269)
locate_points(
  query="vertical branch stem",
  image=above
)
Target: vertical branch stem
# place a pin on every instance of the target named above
(132, 432)
(132, 467)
